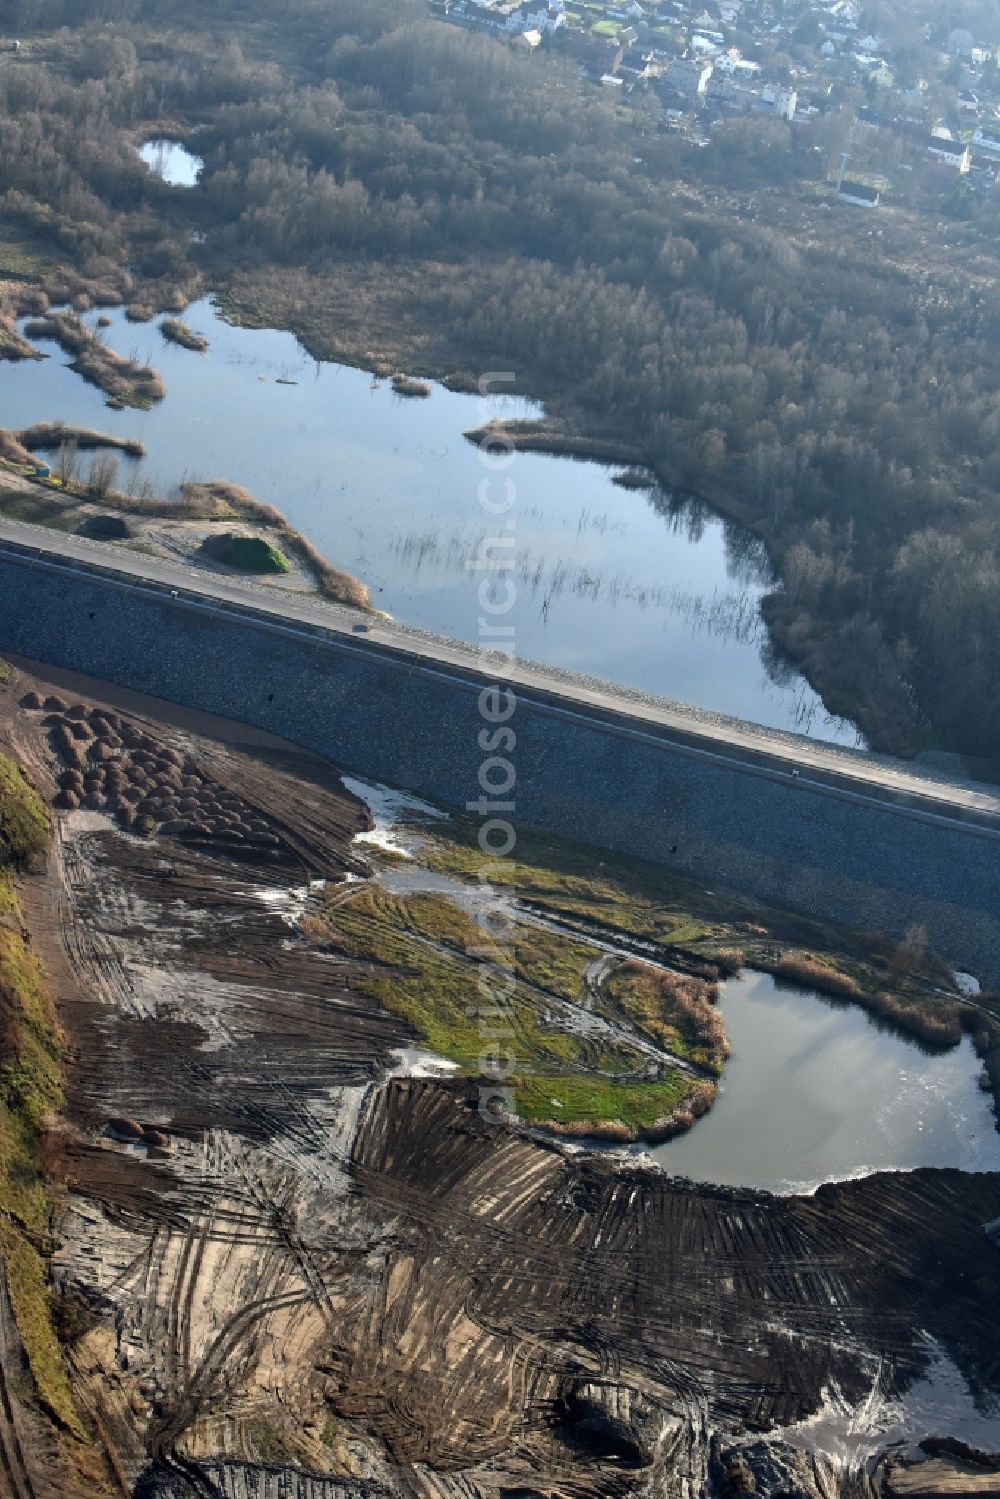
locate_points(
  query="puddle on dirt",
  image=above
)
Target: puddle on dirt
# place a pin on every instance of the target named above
(414, 1061)
(393, 813)
(290, 904)
(940, 1401)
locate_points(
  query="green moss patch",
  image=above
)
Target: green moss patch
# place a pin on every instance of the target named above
(250, 554)
(24, 817)
(597, 1101)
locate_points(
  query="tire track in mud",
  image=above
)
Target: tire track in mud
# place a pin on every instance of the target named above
(575, 1285)
(13, 1463)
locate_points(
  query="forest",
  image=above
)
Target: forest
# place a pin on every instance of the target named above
(835, 389)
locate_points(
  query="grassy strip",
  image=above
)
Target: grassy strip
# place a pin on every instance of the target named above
(551, 961)
(601, 892)
(30, 1095)
(596, 1103)
(24, 819)
(37, 509)
(903, 982)
(433, 988)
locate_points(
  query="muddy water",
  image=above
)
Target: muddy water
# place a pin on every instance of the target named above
(628, 585)
(819, 1091)
(172, 162)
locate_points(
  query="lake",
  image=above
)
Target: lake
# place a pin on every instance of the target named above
(636, 586)
(818, 1090)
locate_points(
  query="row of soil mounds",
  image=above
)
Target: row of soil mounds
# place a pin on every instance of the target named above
(113, 765)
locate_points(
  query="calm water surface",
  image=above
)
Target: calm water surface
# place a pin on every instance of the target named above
(819, 1091)
(172, 162)
(632, 586)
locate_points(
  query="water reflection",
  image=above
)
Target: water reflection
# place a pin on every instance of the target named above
(634, 585)
(171, 161)
(818, 1090)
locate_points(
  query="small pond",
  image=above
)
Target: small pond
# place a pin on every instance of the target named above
(818, 1090)
(172, 162)
(635, 586)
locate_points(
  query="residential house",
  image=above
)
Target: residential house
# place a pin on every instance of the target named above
(780, 101)
(954, 154)
(687, 78)
(988, 143)
(858, 193)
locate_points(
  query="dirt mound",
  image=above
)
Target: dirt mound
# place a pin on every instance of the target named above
(106, 528)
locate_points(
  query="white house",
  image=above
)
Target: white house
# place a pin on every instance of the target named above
(859, 193)
(783, 101)
(688, 77)
(732, 65)
(988, 143)
(541, 18)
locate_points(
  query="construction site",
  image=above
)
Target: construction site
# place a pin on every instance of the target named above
(286, 1251)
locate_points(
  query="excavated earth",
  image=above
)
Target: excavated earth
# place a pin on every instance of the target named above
(286, 1269)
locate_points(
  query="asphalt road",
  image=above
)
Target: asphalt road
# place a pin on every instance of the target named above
(812, 763)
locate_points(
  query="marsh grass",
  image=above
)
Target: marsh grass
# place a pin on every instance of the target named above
(125, 382)
(12, 345)
(177, 332)
(675, 1008)
(49, 436)
(406, 385)
(717, 932)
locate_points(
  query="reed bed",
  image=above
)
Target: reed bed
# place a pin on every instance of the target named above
(125, 382)
(177, 332)
(51, 435)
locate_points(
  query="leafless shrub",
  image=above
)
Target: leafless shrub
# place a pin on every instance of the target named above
(801, 968)
(102, 476)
